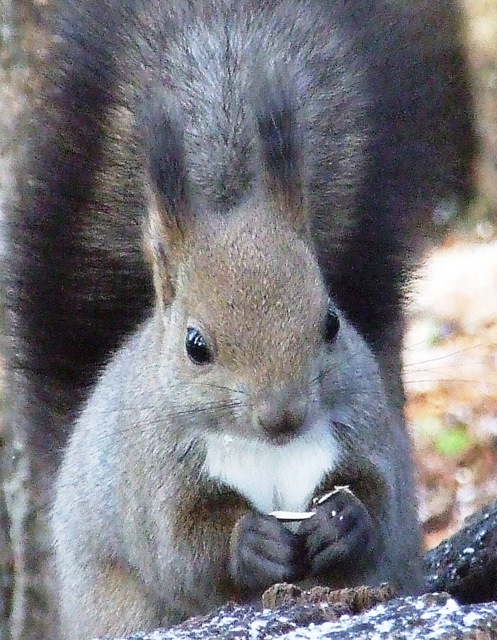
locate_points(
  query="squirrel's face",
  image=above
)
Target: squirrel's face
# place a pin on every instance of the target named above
(249, 330)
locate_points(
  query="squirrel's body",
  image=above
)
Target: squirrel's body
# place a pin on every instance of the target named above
(171, 464)
(281, 153)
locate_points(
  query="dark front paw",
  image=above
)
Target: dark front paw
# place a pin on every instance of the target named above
(340, 536)
(264, 552)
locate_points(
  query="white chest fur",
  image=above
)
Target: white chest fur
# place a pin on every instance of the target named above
(273, 477)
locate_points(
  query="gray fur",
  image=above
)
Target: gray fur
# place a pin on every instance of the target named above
(146, 533)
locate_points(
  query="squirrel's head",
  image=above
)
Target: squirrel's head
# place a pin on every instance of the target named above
(248, 325)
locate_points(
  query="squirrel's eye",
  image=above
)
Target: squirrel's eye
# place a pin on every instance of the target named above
(196, 347)
(331, 325)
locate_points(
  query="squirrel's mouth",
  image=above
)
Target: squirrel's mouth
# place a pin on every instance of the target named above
(283, 437)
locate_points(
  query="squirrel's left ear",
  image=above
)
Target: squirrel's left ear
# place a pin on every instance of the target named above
(282, 153)
(170, 217)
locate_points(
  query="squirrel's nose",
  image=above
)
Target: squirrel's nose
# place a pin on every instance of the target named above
(280, 414)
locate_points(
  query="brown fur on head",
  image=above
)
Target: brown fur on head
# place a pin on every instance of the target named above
(248, 283)
(263, 325)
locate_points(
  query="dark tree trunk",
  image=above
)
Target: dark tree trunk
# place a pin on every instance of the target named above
(24, 580)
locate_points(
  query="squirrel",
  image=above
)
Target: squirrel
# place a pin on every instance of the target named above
(283, 156)
(247, 391)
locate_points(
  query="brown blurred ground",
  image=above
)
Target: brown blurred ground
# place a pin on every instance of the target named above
(451, 345)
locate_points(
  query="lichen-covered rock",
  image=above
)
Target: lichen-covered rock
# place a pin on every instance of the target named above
(465, 565)
(352, 600)
(428, 617)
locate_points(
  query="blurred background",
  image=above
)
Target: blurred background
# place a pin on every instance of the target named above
(451, 344)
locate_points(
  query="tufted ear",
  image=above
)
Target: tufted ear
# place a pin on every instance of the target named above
(282, 157)
(169, 218)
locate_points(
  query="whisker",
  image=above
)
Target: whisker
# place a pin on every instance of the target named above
(221, 387)
(453, 353)
(446, 380)
(216, 410)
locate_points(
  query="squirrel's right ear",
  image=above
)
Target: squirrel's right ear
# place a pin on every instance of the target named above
(281, 150)
(169, 216)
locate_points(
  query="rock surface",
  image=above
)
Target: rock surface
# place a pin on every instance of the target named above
(428, 617)
(465, 565)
